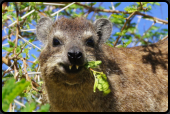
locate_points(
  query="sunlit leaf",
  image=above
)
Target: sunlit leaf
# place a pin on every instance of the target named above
(10, 90)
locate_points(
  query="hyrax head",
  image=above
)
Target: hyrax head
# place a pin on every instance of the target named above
(70, 44)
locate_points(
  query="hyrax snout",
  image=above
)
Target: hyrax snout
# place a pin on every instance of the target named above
(138, 77)
(69, 45)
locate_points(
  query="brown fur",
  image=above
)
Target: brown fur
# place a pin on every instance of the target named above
(138, 76)
(141, 82)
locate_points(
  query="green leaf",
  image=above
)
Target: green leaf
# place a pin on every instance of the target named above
(9, 49)
(144, 4)
(20, 42)
(34, 56)
(19, 18)
(4, 17)
(92, 64)
(100, 7)
(130, 9)
(156, 3)
(117, 4)
(18, 49)
(29, 107)
(92, 3)
(44, 108)
(118, 16)
(22, 6)
(164, 30)
(31, 40)
(154, 28)
(106, 92)
(138, 3)
(128, 42)
(7, 77)
(105, 86)
(11, 90)
(26, 50)
(97, 63)
(100, 81)
(118, 33)
(149, 7)
(11, 43)
(9, 32)
(20, 72)
(121, 33)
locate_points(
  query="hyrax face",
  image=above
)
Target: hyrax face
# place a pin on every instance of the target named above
(69, 45)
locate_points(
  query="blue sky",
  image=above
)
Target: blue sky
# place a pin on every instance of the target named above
(157, 11)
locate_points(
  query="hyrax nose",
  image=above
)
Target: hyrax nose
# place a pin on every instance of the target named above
(75, 56)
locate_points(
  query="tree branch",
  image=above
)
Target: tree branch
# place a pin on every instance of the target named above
(127, 19)
(16, 41)
(116, 11)
(164, 38)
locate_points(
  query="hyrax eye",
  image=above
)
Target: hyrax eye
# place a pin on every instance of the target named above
(90, 42)
(56, 42)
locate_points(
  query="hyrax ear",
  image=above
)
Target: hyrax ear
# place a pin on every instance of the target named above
(103, 28)
(43, 29)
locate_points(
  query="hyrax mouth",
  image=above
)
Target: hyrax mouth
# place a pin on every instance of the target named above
(72, 68)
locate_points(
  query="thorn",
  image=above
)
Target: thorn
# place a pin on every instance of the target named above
(77, 66)
(70, 67)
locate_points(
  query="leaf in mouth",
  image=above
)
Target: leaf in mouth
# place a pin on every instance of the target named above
(100, 82)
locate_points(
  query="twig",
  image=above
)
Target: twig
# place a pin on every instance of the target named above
(5, 44)
(16, 41)
(146, 32)
(95, 11)
(34, 73)
(6, 36)
(29, 42)
(113, 8)
(21, 104)
(13, 107)
(8, 63)
(62, 9)
(25, 69)
(10, 107)
(6, 72)
(30, 61)
(127, 19)
(57, 16)
(17, 30)
(33, 83)
(22, 30)
(164, 38)
(141, 7)
(52, 4)
(21, 18)
(139, 18)
(40, 11)
(21, 50)
(25, 9)
(91, 69)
